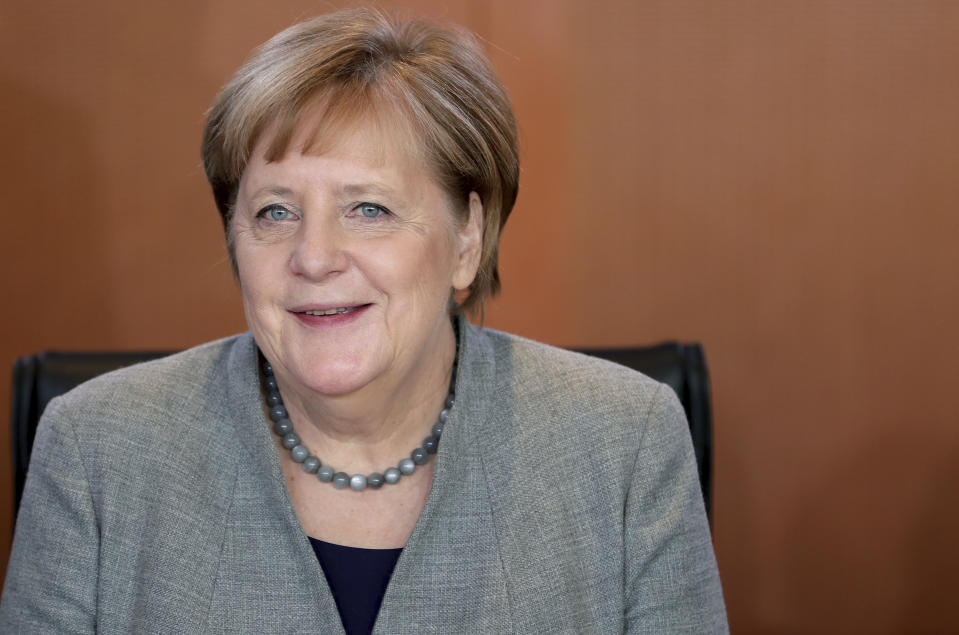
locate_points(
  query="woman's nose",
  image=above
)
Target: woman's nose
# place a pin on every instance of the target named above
(320, 249)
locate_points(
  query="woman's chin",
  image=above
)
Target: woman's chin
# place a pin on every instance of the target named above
(333, 382)
(325, 370)
(335, 387)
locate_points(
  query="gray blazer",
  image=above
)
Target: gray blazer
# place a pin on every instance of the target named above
(564, 499)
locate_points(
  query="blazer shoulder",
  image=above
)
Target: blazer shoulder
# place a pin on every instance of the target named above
(158, 380)
(576, 404)
(161, 398)
(569, 375)
(165, 424)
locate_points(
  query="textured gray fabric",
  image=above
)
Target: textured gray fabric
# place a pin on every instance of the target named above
(564, 499)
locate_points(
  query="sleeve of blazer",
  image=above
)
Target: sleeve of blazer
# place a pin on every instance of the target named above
(51, 583)
(672, 583)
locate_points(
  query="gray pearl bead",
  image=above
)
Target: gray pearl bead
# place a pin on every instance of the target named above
(311, 464)
(267, 369)
(274, 399)
(299, 453)
(283, 427)
(270, 383)
(325, 473)
(444, 414)
(430, 444)
(437, 429)
(419, 456)
(407, 466)
(341, 480)
(290, 440)
(391, 475)
(449, 400)
(277, 413)
(358, 482)
(375, 480)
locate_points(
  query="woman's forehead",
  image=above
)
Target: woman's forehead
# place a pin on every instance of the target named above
(331, 124)
(363, 150)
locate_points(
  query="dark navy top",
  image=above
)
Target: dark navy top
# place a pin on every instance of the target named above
(358, 579)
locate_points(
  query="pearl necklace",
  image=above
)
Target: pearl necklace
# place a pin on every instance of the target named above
(283, 427)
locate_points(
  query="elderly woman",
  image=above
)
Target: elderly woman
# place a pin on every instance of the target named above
(364, 458)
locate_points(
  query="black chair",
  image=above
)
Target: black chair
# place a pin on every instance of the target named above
(39, 378)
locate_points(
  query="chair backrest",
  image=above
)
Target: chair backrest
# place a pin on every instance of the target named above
(39, 378)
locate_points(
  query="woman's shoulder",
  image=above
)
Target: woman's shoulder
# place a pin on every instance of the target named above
(570, 376)
(542, 396)
(174, 420)
(163, 379)
(568, 435)
(158, 398)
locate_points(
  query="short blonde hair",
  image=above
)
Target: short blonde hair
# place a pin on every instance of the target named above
(351, 63)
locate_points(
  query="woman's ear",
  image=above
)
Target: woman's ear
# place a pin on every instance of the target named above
(470, 242)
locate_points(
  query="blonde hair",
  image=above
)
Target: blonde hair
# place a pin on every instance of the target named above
(359, 62)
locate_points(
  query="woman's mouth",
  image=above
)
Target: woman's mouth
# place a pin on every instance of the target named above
(331, 317)
(339, 311)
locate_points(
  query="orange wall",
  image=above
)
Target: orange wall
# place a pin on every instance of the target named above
(775, 179)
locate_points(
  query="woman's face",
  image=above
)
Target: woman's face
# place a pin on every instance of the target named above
(347, 259)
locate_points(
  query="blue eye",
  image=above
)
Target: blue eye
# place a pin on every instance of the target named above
(275, 213)
(371, 210)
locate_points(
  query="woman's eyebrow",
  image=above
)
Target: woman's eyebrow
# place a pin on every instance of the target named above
(373, 187)
(271, 190)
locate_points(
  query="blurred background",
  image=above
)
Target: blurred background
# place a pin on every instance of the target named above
(778, 180)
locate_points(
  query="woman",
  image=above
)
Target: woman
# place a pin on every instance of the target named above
(265, 483)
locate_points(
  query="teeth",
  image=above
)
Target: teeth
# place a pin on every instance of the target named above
(331, 311)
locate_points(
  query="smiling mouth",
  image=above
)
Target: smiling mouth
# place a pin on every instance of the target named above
(338, 311)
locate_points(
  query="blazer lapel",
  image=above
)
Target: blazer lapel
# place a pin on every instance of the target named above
(450, 576)
(268, 578)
